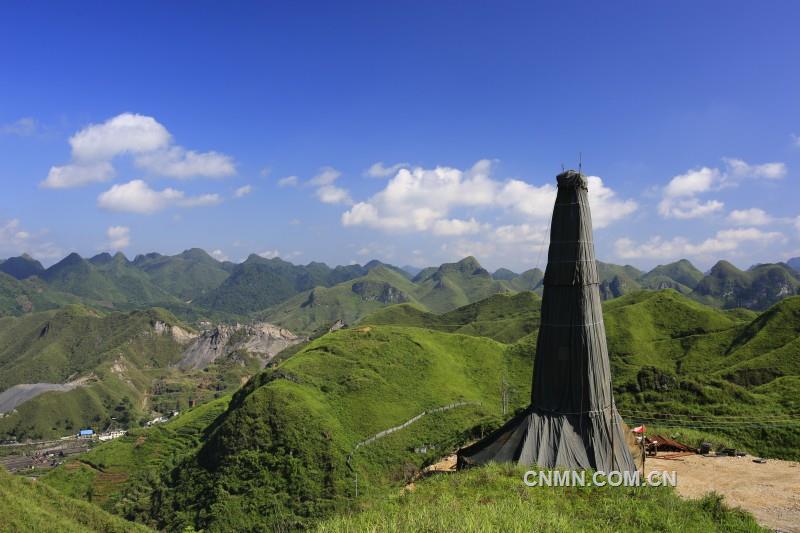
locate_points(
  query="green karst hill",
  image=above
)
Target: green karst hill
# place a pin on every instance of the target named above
(27, 505)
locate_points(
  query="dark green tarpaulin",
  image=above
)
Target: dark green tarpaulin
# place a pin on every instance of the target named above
(572, 420)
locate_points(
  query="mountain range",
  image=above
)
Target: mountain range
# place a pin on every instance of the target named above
(194, 286)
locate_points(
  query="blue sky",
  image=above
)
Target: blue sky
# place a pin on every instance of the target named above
(163, 126)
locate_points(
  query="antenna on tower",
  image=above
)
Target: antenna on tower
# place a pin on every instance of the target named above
(562, 167)
(580, 162)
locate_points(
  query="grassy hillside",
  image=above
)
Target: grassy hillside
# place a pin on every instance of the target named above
(696, 369)
(439, 290)
(30, 295)
(278, 457)
(673, 359)
(33, 506)
(188, 275)
(494, 498)
(120, 476)
(21, 267)
(502, 317)
(757, 288)
(109, 281)
(117, 355)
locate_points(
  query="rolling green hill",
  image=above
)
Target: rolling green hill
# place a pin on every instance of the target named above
(757, 288)
(29, 295)
(188, 275)
(21, 267)
(33, 506)
(439, 290)
(278, 457)
(259, 283)
(120, 476)
(109, 281)
(112, 360)
(502, 317)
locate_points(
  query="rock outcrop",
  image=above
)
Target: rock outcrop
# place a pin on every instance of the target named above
(261, 340)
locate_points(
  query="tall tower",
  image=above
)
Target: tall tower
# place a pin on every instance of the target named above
(572, 421)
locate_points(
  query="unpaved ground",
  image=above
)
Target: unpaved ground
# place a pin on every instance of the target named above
(771, 491)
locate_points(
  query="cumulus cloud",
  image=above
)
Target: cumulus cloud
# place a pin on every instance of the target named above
(521, 233)
(726, 240)
(243, 191)
(177, 162)
(680, 197)
(326, 176)
(330, 194)
(119, 237)
(750, 217)
(378, 170)
(327, 192)
(137, 197)
(23, 127)
(288, 181)
(739, 169)
(454, 226)
(269, 254)
(419, 199)
(78, 174)
(152, 146)
(14, 240)
(219, 255)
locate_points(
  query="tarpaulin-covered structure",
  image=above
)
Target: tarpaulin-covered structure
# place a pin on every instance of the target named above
(572, 421)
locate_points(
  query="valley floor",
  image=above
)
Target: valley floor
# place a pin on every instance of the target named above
(770, 491)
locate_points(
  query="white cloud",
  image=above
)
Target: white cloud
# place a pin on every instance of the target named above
(326, 176)
(454, 226)
(797, 224)
(527, 199)
(97, 145)
(118, 237)
(177, 162)
(15, 240)
(137, 197)
(219, 255)
(739, 169)
(243, 191)
(327, 192)
(265, 172)
(378, 170)
(750, 217)
(519, 233)
(78, 174)
(270, 254)
(288, 181)
(680, 197)
(726, 240)
(688, 208)
(692, 183)
(606, 207)
(330, 194)
(24, 127)
(418, 199)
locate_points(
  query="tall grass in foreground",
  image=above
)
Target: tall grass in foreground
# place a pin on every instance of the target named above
(494, 498)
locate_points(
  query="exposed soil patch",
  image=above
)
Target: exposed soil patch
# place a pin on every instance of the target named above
(770, 491)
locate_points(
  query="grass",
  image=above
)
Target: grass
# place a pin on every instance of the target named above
(278, 458)
(494, 498)
(120, 475)
(33, 506)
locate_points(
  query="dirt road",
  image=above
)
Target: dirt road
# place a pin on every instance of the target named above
(770, 491)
